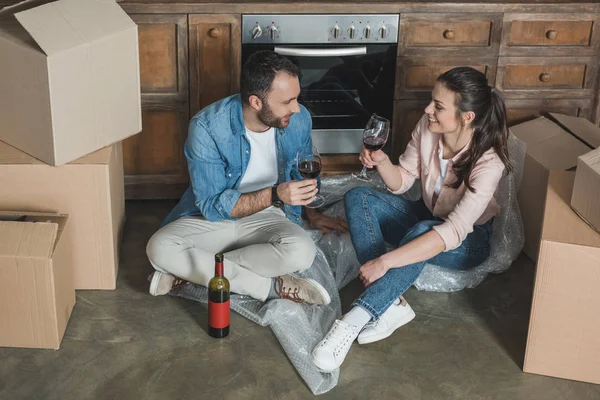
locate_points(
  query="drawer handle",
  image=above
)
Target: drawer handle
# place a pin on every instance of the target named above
(544, 77)
(448, 34)
(551, 34)
(214, 32)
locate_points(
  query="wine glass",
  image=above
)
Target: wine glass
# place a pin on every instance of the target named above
(374, 137)
(309, 166)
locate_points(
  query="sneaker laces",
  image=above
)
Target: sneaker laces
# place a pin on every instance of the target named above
(178, 282)
(338, 334)
(286, 292)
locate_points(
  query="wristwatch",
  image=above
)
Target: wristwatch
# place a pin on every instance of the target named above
(275, 200)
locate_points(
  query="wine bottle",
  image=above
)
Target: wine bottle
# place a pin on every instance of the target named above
(218, 301)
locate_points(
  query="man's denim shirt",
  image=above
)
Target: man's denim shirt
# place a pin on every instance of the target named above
(218, 154)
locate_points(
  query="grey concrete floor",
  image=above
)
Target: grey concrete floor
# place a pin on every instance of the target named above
(126, 344)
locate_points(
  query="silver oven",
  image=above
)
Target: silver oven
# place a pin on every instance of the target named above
(347, 68)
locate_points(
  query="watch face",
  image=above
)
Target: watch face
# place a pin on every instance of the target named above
(278, 204)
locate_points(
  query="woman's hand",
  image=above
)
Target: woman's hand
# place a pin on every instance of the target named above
(372, 271)
(372, 158)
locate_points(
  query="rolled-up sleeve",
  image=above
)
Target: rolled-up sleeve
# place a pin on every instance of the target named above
(410, 161)
(207, 175)
(469, 209)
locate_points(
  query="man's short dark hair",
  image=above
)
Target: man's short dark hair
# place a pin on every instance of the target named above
(259, 72)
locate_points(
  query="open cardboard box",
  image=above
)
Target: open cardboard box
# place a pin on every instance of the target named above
(553, 142)
(36, 279)
(69, 78)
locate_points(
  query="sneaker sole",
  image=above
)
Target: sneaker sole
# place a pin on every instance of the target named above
(321, 290)
(407, 318)
(154, 283)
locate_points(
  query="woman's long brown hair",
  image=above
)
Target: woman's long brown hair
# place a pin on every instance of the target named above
(490, 129)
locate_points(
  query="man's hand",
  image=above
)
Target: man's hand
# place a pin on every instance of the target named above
(372, 271)
(298, 193)
(324, 223)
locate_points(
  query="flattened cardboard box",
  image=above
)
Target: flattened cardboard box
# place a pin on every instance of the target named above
(550, 146)
(36, 279)
(586, 192)
(69, 78)
(564, 328)
(89, 190)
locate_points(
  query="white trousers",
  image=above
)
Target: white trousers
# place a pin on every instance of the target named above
(256, 248)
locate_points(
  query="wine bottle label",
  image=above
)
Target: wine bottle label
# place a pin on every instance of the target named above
(218, 314)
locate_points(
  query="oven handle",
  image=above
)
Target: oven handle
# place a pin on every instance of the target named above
(339, 52)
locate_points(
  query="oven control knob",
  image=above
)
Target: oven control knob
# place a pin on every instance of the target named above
(367, 32)
(336, 32)
(256, 32)
(273, 32)
(383, 32)
(352, 32)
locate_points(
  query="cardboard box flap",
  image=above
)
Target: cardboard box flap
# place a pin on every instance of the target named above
(536, 130)
(12, 31)
(592, 159)
(559, 152)
(561, 223)
(59, 221)
(10, 155)
(580, 127)
(65, 24)
(27, 239)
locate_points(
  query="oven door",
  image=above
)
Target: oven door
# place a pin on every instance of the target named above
(341, 86)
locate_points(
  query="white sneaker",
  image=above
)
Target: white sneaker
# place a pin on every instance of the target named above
(162, 283)
(330, 353)
(301, 290)
(392, 319)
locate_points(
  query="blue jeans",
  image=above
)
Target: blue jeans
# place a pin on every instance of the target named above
(375, 218)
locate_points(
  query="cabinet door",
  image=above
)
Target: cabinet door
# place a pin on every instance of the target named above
(153, 160)
(215, 58)
(406, 115)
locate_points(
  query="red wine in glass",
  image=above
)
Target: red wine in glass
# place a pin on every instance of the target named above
(310, 169)
(374, 143)
(309, 166)
(375, 135)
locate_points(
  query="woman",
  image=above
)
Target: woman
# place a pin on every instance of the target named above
(459, 151)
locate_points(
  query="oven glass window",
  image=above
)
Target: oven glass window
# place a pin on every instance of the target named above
(342, 92)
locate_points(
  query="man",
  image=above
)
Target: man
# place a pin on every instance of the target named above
(245, 193)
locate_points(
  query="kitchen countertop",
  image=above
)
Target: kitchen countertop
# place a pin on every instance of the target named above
(353, 6)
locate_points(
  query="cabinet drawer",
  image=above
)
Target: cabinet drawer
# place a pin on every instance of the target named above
(546, 76)
(549, 77)
(417, 75)
(425, 33)
(550, 34)
(450, 34)
(518, 111)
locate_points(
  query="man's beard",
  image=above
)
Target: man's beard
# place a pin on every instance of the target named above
(267, 117)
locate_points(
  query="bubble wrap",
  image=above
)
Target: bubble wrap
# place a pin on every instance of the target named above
(336, 265)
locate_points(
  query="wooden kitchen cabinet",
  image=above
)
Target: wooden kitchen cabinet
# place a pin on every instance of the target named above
(174, 88)
(153, 160)
(541, 54)
(215, 58)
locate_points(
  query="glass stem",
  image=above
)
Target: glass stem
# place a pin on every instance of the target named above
(364, 171)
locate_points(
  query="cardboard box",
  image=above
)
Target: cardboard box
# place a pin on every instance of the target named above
(564, 328)
(69, 78)
(553, 143)
(586, 192)
(36, 280)
(90, 190)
